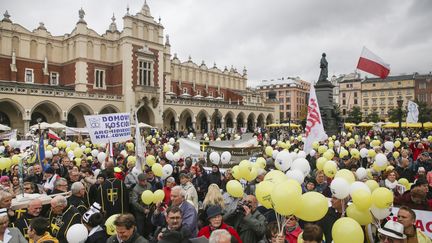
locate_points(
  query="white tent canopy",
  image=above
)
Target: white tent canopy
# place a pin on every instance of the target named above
(4, 128)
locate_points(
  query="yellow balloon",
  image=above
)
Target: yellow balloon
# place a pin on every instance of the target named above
(150, 160)
(252, 174)
(390, 168)
(261, 162)
(371, 153)
(378, 168)
(15, 159)
(328, 155)
(382, 197)
(87, 150)
(78, 152)
(87, 144)
(157, 169)
(362, 217)
(5, 163)
(331, 144)
(263, 193)
(147, 197)
(343, 153)
(68, 149)
(347, 230)
(352, 141)
(275, 176)
(405, 140)
(372, 185)
(74, 145)
(49, 147)
(321, 162)
(131, 159)
(78, 161)
(322, 149)
(286, 197)
(314, 200)
(330, 168)
(153, 140)
(158, 196)
(244, 168)
(236, 172)
(345, 174)
(315, 145)
(234, 188)
(269, 151)
(165, 148)
(404, 182)
(109, 224)
(397, 144)
(396, 154)
(362, 199)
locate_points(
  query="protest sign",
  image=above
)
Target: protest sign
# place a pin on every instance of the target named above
(109, 127)
(423, 220)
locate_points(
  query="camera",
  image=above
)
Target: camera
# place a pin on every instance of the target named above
(240, 209)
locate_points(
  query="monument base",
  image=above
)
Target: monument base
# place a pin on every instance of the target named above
(324, 92)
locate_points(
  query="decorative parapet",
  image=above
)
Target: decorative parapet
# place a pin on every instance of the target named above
(213, 104)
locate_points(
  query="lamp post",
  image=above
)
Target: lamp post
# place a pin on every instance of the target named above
(400, 103)
(289, 123)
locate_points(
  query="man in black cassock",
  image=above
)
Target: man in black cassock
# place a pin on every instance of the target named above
(112, 195)
(61, 217)
(23, 222)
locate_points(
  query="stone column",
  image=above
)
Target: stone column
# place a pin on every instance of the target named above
(26, 126)
(176, 125)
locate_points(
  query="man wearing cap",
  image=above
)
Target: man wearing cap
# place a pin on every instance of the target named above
(407, 217)
(169, 183)
(191, 192)
(141, 211)
(34, 210)
(392, 232)
(214, 216)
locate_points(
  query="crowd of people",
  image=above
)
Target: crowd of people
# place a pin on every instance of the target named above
(107, 196)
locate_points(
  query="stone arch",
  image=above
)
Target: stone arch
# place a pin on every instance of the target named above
(107, 109)
(169, 119)
(240, 120)
(11, 114)
(75, 115)
(146, 115)
(261, 120)
(33, 49)
(186, 120)
(47, 110)
(251, 122)
(216, 119)
(202, 119)
(229, 119)
(269, 119)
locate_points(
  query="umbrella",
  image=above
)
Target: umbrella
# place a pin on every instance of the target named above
(4, 128)
(57, 125)
(364, 124)
(43, 125)
(142, 124)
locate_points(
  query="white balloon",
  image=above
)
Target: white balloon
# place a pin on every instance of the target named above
(301, 154)
(181, 152)
(94, 153)
(215, 157)
(294, 155)
(167, 170)
(55, 150)
(124, 153)
(48, 154)
(340, 188)
(363, 152)
(2, 149)
(136, 171)
(96, 172)
(337, 143)
(170, 147)
(171, 140)
(71, 154)
(275, 153)
(296, 175)
(273, 142)
(101, 157)
(358, 185)
(77, 233)
(169, 155)
(68, 143)
(380, 159)
(83, 147)
(312, 153)
(388, 145)
(176, 157)
(361, 173)
(380, 213)
(225, 157)
(302, 165)
(283, 160)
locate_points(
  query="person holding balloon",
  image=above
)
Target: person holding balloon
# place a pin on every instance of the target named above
(335, 212)
(141, 211)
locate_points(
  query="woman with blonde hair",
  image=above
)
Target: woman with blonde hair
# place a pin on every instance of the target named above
(213, 198)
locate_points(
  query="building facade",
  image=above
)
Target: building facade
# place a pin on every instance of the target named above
(63, 78)
(423, 88)
(292, 94)
(349, 95)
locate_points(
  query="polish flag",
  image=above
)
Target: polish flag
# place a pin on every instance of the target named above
(314, 125)
(53, 135)
(373, 64)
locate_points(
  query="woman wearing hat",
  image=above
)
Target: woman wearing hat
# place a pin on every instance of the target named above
(7, 234)
(214, 216)
(93, 220)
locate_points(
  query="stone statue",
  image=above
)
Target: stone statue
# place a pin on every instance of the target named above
(324, 68)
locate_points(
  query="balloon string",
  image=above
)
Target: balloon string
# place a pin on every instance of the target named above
(343, 208)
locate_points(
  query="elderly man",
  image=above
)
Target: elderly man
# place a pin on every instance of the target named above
(34, 210)
(61, 217)
(78, 197)
(60, 186)
(220, 236)
(188, 212)
(126, 230)
(407, 217)
(173, 232)
(248, 222)
(141, 211)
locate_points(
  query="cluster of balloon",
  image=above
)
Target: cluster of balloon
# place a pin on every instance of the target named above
(148, 197)
(224, 158)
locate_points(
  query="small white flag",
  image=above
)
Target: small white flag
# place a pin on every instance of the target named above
(413, 112)
(139, 147)
(314, 125)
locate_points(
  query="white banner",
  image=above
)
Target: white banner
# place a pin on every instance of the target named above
(413, 112)
(76, 131)
(9, 135)
(109, 127)
(423, 220)
(314, 124)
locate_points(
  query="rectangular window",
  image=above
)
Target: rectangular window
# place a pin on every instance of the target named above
(287, 93)
(382, 101)
(355, 101)
(288, 107)
(29, 75)
(365, 102)
(281, 107)
(374, 102)
(99, 81)
(343, 95)
(185, 90)
(281, 100)
(408, 92)
(144, 73)
(54, 78)
(422, 85)
(390, 93)
(355, 94)
(211, 93)
(343, 102)
(199, 92)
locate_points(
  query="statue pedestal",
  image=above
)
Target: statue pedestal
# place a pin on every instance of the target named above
(324, 92)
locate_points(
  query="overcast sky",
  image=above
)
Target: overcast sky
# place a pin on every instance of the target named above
(272, 38)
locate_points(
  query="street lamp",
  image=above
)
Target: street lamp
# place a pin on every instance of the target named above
(289, 123)
(400, 103)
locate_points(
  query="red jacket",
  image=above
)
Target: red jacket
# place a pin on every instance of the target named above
(292, 236)
(206, 232)
(167, 198)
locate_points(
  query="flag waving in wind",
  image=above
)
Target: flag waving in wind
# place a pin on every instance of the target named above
(314, 125)
(139, 147)
(373, 64)
(413, 112)
(41, 151)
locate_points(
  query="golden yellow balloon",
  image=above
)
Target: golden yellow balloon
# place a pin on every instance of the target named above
(362, 217)
(396, 154)
(263, 193)
(286, 197)
(371, 153)
(234, 188)
(322, 149)
(236, 172)
(269, 151)
(330, 168)
(109, 224)
(382, 197)
(345, 174)
(314, 200)
(362, 199)
(150, 160)
(372, 185)
(158, 196)
(157, 169)
(321, 162)
(347, 230)
(147, 197)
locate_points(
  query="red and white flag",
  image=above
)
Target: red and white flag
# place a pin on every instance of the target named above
(53, 135)
(314, 125)
(373, 64)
